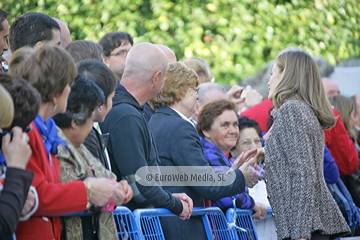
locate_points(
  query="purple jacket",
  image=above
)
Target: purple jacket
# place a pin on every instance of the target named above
(216, 158)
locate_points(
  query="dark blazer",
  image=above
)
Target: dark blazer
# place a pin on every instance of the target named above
(178, 144)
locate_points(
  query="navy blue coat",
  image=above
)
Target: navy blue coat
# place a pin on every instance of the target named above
(178, 144)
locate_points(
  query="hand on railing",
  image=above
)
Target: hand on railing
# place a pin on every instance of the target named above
(101, 191)
(259, 210)
(187, 203)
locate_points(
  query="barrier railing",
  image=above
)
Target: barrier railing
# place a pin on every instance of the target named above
(145, 223)
(215, 224)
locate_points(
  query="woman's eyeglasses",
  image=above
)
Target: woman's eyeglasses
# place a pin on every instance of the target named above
(196, 89)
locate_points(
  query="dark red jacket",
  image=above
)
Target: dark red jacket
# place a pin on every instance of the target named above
(55, 198)
(341, 147)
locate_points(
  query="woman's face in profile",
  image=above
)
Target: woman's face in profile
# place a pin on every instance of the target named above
(61, 100)
(103, 110)
(189, 101)
(274, 80)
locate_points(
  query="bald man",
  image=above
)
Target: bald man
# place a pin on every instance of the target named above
(170, 55)
(131, 144)
(64, 33)
(331, 88)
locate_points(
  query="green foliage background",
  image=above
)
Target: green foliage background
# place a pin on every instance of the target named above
(236, 37)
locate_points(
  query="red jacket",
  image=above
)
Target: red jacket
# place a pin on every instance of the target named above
(55, 198)
(341, 147)
(260, 113)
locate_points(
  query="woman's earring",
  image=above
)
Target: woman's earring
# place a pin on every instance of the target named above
(100, 109)
(55, 107)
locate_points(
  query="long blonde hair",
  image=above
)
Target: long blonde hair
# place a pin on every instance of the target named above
(301, 79)
(345, 106)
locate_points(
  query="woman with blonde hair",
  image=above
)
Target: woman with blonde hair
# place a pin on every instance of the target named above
(302, 205)
(346, 108)
(174, 105)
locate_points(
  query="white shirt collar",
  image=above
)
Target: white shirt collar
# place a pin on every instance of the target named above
(183, 116)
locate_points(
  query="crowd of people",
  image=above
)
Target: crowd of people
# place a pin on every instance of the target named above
(79, 119)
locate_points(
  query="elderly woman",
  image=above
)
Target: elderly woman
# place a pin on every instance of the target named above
(174, 105)
(218, 129)
(302, 204)
(51, 71)
(78, 163)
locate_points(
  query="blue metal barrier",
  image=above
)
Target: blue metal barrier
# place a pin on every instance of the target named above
(215, 224)
(126, 225)
(241, 220)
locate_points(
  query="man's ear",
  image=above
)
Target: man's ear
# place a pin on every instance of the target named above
(106, 60)
(156, 78)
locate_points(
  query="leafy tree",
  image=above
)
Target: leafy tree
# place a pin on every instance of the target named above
(235, 37)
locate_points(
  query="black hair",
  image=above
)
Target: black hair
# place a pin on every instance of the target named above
(113, 40)
(99, 73)
(245, 122)
(3, 16)
(30, 28)
(25, 97)
(84, 97)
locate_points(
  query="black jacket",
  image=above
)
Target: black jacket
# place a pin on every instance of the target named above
(12, 199)
(94, 143)
(130, 147)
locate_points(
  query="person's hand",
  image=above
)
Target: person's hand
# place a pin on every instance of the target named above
(29, 204)
(239, 161)
(234, 94)
(103, 190)
(253, 97)
(248, 170)
(128, 191)
(259, 210)
(187, 203)
(16, 151)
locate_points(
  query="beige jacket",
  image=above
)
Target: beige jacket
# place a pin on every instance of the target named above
(297, 191)
(75, 163)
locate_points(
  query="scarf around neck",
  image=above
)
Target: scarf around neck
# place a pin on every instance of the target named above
(48, 132)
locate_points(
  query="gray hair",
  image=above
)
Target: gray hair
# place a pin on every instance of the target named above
(205, 87)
